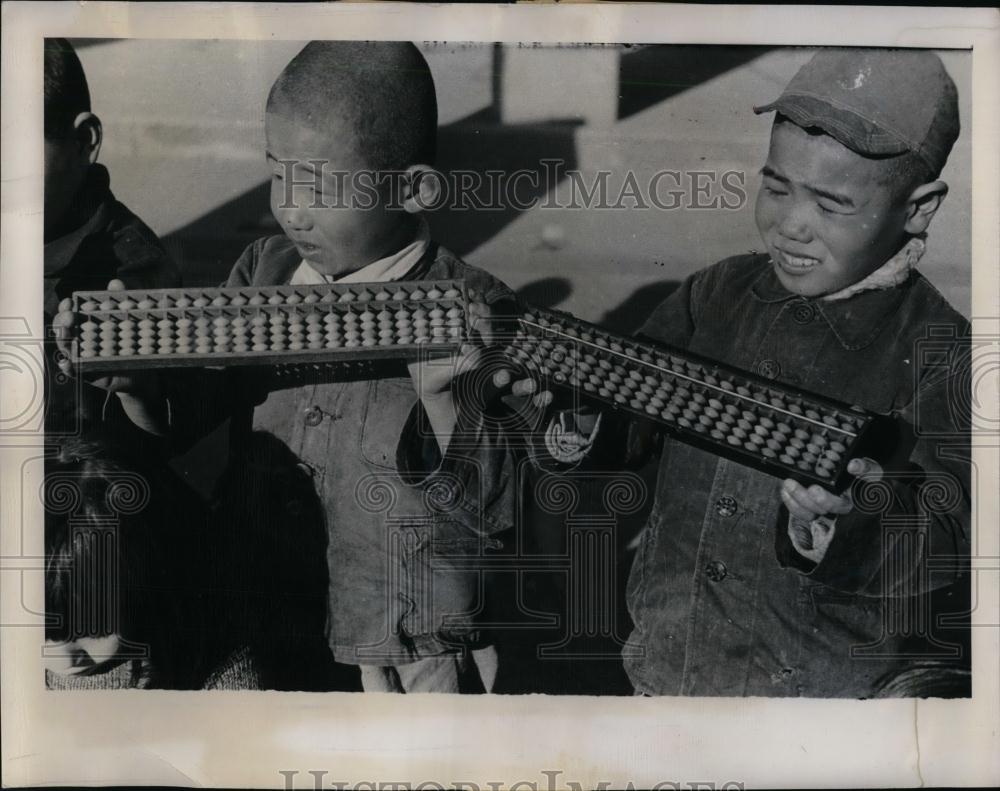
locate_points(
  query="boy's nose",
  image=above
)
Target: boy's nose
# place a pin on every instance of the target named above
(793, 226)
(296, 217)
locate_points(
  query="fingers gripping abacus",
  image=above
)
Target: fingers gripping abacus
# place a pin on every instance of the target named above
(128, 330)
(732, 413)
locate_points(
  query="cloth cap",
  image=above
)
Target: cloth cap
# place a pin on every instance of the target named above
(877, 102)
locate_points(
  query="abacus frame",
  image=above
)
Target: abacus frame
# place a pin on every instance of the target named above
(860, 432)
(323, 299)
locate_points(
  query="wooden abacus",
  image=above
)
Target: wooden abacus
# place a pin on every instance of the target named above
(747, 418)
(162, 328)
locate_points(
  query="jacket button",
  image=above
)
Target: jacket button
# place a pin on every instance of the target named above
(716, 571)
(769, 368)
(314, 416)
(803, 313)
(726, 506)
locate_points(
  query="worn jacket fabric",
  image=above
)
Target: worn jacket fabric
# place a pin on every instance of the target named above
(111, 243)
(401, 552)
(722, 603)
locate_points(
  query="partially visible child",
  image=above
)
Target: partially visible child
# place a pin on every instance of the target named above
(746, 585)
(130, 601)
(90, 237)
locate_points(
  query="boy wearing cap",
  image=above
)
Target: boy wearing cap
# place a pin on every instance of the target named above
(747, 585)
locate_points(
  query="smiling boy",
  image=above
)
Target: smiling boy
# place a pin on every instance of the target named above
(747, 585)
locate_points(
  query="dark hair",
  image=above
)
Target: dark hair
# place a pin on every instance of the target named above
(122, 556)
(99, 546)
(382, 90)
(66, 91)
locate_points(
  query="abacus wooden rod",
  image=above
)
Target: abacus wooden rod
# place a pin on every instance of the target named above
(698, 382)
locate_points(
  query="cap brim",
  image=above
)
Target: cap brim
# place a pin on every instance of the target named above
(854, 131)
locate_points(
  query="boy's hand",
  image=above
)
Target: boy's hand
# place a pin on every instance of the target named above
(433, 378)
(813, 510)
(64, 325)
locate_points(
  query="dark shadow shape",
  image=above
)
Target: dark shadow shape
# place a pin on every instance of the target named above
(651, 73)
(272, 547)
(546, 292)
(630, 315)
(85, 43)
(479, 144)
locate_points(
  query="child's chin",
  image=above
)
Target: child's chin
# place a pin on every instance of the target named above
(803, 284)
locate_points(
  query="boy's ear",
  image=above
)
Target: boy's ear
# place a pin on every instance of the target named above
(89, 135)
(421, 188)
(922, 205)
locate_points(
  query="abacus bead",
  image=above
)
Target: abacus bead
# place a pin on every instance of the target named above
(238, 300)
(433, 293)
(108, 304)
(452, 293)
(89, 306)
(419, 294)
(275, 299)
(257, 299)
(200, 302)
(293, 299)
(311, 298)
(182, 302)
(383, 296)
(220, 300)
(126, 304)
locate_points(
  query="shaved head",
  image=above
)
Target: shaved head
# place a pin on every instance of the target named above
(379, 92)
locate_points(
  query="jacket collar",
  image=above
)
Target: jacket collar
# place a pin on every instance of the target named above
(856, 321)
(94, 202)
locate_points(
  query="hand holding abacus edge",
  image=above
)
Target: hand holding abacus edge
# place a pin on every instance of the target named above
(64, 325)
(433, 378)
(139, 393)
(813, 509)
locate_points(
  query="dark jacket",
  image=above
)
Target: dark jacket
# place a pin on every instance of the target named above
(400, 588)
(722, 603)
(111, 243)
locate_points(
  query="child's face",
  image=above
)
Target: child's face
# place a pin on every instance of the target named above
(335, 241)
(825, 218)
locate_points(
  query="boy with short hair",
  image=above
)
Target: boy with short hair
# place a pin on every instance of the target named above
(744, 585)
(90, 237)
(401, 605)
